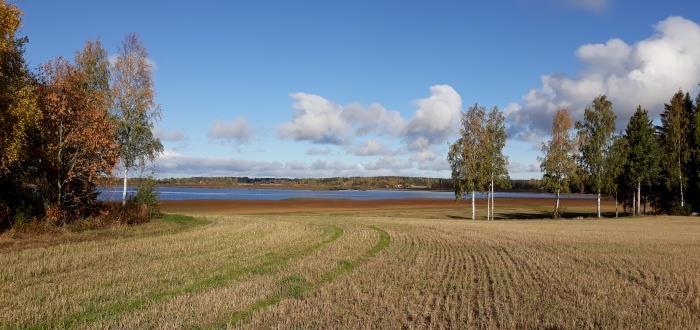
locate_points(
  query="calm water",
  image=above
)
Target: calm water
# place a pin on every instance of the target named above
(180, 193)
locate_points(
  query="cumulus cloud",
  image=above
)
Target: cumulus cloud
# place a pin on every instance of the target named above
(169, 136)
(436, 118)
(316, 120)
(238, 131)
(373, 119)
(647, 72)
(370, 148)
(321, 121)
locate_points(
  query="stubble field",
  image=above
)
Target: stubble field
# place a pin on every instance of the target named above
(410, 266)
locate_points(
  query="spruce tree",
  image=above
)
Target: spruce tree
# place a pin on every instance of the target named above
(642, 166)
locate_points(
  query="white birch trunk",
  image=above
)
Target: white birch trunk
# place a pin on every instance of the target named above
(492, 200)
(639, 197)
(488, 204)
(599, 205)
(634, 203)
(556, 205)
(473, 205)
(126, 171)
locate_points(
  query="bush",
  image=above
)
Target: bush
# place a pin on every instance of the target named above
(147, 196)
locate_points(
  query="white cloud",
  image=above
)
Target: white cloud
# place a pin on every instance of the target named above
(321, 121)
(238, 131)
(518, 167)
(316, 120)
(647, 72)
(436, 119)
(370, 148)
(373, 119)
(169, 136)
(173, 164)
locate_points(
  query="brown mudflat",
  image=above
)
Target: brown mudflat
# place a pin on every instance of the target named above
(323, 205)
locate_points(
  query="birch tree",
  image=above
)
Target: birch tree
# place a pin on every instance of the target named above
(558, 165)
(595, 132)
(495, 163)
(134, 107)
(674, 145)
(465, 155)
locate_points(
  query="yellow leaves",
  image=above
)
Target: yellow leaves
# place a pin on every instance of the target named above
(10, 19)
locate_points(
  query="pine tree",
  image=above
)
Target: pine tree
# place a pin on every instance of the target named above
(558, 165)
(595, 134)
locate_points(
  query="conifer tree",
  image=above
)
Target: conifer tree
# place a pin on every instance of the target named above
(642, 166)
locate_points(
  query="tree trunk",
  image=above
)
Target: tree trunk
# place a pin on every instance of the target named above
(616, 215)
(473, 205)
(680, 179)
(126, 171)
(639, 196)
(492, 200)
(488, 203)
(598, 205)
(556, 205)
(634, 203)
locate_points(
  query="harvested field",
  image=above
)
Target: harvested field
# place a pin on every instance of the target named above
(389, 267)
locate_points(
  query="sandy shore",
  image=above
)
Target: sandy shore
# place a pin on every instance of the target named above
(321, 205)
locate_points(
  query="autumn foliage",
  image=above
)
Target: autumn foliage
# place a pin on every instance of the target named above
(75, 139)
(58, 133)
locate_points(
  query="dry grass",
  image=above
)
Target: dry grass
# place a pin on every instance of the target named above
(381, 269)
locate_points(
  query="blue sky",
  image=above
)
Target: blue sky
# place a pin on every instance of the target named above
(330, 88)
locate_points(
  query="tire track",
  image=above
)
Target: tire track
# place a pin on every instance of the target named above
(300, 287)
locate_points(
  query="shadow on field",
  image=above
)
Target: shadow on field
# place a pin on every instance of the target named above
(538, 215)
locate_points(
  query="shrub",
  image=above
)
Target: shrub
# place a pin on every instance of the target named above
(147, 198)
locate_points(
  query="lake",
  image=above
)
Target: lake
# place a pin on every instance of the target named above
(193, 193)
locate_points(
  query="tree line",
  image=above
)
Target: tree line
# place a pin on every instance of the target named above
(644, 165)
(67, 124)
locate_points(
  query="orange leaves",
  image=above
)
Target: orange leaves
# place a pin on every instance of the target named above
(77, 143)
